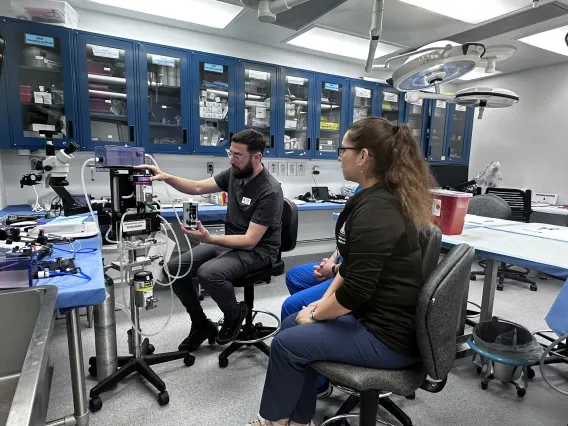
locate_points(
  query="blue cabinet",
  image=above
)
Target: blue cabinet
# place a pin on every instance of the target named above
(4, 127)
(214, 106)
(437, 131)
(39, 83)
(416, 117)
(107, 91)
(458, 138)
(257, 102)
(163, 84)
(331, 114)
(392, 105)
(296, 120)
(364, 100)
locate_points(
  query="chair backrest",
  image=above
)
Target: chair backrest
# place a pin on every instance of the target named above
(518, 200)
(430, 245)
(489, 205)
(289, 226)
(439, 306)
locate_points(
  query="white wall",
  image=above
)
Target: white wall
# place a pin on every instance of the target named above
(530, 139)
(193, 167)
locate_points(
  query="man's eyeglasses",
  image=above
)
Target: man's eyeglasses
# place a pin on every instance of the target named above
(237, 157)
(341, 149)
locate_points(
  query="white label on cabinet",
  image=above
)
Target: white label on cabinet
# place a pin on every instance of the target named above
(461, 108)
(40, 40)
(109, 136)
(420, 102)
(441, 104)
(295, 80)
(332, 86)
(390, 97)
(361, 92)
(163, 60)
(106, 52)
(258, 75)
(443, 158)
(213, 68)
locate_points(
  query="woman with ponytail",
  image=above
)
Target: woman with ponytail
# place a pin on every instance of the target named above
(366, 316)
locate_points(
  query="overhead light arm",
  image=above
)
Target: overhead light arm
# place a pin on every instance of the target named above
(414, 97)
(268, 9)
(277, 6)
(375, 32)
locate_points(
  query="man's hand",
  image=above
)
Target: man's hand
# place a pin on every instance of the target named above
(323, 271)
(200, 233)
(303, 316)
(158, 174)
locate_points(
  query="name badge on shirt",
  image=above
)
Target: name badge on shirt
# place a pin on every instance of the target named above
(246, 201)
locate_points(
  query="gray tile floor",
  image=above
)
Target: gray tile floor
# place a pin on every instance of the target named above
(206, 395)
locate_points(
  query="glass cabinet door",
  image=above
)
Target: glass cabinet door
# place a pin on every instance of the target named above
(297, 112)
(416, 121)
(362, 103)
(391, 106)
(437, 131)
(257, 102)
(164, 100)
(459, 124)
(331, 108)
(106, 68)
(40, 82)
(214, 95)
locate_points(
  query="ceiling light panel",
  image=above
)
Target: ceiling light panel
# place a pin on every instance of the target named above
(210, 13)
(471, 11)
(336, 43)
(477, 73)
(551, 40)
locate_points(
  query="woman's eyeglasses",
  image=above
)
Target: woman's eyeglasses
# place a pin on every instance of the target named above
(341, 149)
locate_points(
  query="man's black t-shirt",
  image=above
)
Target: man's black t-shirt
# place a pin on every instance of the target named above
(260, 201)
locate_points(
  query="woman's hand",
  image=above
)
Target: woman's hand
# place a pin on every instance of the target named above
(323, 271)
(315, 304)
(304, 316)
(200, 233)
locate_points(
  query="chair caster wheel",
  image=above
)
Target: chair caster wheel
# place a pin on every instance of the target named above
(223, 362)
(189, 360)
(95, 404)
(151, 349)
(521, 393)
(478, 370)
(534, 287)
(472, 278)
(500, 287)
(412, 396)
(93, 371)
(163, 398)
(484, 385)
(530, 373)
(258, 325)
(93, 361)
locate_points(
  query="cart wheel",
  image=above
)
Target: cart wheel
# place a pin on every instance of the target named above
(93, 371)
(201, 298)
(484, 385)
(534, 287)
(500, 287)
(95, 404)
(530, 373)
(223, 362)
(163, 398)
(521, 392)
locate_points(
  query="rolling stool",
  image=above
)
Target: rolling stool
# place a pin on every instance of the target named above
(255, 334)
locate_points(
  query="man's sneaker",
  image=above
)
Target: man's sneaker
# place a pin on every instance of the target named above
(231, 328)
(325, 391)
(198, 334)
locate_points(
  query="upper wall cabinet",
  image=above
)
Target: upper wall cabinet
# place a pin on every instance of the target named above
(213, 91)
(392, 106)
(417, 120)
(257, 102)
(331, 114)
(165, 106)
(364, 100)
(39, 79)
(438, 130)
(458, 138)
(296, 102)
(107, 94)
(4, 127)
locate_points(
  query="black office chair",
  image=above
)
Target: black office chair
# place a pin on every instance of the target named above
(439, 307)
(520, 203)
(430, 245)
(255, 334)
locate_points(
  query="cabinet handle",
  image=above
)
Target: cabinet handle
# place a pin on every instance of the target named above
(430, 152)
(131, 132)
(271, 141)
(317, 143)
(70, 130)
(185, 136)
(449, 149)
(309, 142)
(230, 136)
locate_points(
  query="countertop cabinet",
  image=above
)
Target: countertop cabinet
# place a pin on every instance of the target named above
(107, 91)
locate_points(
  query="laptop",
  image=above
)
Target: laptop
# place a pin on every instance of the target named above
(320, 193)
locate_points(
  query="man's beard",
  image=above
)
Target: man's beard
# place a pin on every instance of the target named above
(244, 172)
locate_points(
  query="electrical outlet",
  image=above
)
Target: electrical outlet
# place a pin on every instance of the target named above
(283, 171)
(273, 168)
(291, 169)
(210, 168)
(300, 169)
